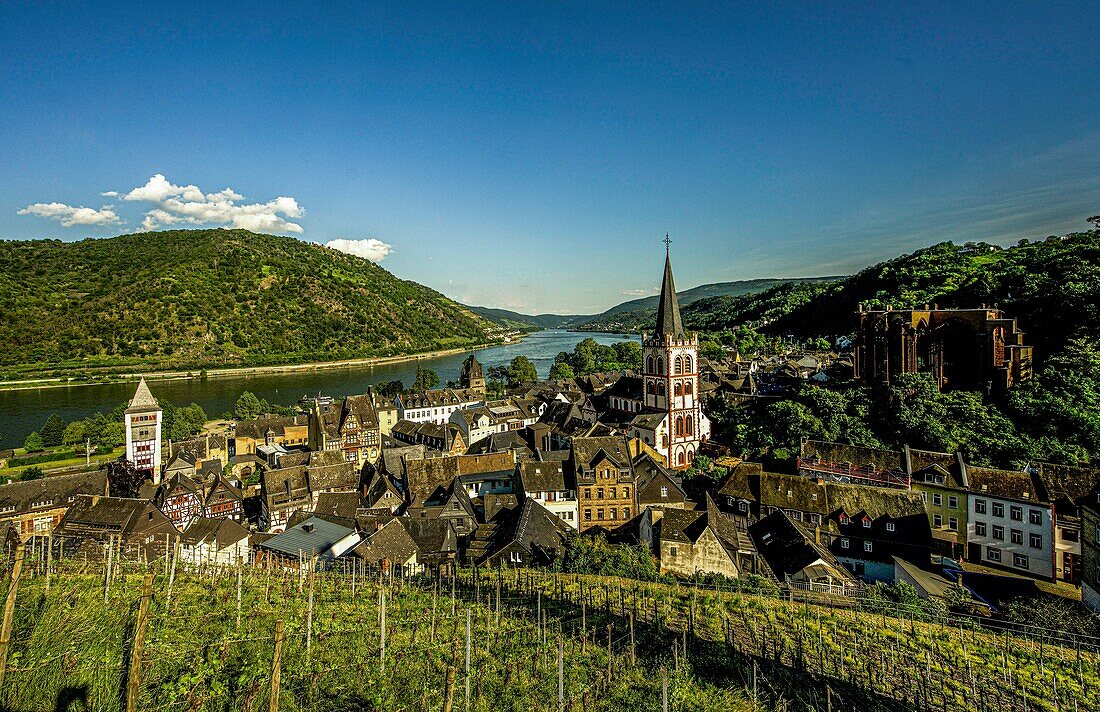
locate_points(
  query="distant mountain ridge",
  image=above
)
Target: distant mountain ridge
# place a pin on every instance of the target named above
(525, 322)
(189, 299)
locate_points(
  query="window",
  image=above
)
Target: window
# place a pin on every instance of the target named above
(744, 507)
(815, 517)
(599, 514)
(998, 509)
(866, 546)
(843, 518)
(953, 502)
(992, 553)
(979, 528)
(599, 493)
(1017, 513)
(937, 499)
(588, 493)
(1035, 516)
(953, 524)
(1019, 561)
(612, 513)
(979, 506)
(844, 543)
(866, 523)
(672, 551)
(588, 515)
(1070, 535)
(890, 526)
(1035, 541)
(664, 492)
(626, 512)
(937, 520)
(1017, 536)
(998, 532)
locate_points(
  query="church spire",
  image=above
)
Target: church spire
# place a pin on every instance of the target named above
(668, 312)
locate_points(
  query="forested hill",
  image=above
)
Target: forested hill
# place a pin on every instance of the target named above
(195, 298)
(1051, 286)
(527, 322)
(640, 314)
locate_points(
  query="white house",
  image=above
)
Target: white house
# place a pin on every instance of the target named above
(221, 542)
(551, 485)
(1008, 526)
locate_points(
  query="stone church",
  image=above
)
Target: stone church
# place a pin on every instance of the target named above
(978, 349)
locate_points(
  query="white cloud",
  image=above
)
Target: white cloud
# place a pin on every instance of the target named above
(640, 292)
(69, 215)
(188, 204)
(370, 248)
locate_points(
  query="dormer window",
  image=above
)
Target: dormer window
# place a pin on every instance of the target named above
(843, 518)
(866, 523)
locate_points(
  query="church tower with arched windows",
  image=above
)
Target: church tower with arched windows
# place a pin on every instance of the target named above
(670, 366)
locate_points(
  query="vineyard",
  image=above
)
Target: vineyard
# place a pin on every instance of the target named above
(128, 635)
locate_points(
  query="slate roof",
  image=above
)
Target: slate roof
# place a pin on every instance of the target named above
(94, 514)
(378, 487)
(221, 532)
(424, 476)
(1003, 484)
(651, 476)
(27, 495)
(283, 486)
(530, 527)
(1065, 485)
(143, 400)
(586, 450)
(257, 429)
(511, 440)
(338, 504)
(668, 309)
(341, 476)
(787, 548)
(391, 542)
(854, 454)
(537, 476)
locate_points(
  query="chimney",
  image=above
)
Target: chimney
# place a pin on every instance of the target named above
(307, 528)
(817, 534)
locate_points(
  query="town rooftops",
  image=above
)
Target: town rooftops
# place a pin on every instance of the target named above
(587, 451)
(1003, 484)
(536, 476)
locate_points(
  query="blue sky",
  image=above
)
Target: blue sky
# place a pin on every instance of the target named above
(533, 157)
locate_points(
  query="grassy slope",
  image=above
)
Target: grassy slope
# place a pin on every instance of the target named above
(194, 298)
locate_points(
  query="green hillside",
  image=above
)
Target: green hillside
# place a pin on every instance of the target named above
(1052, 287)
(204, 298)
(639, 314)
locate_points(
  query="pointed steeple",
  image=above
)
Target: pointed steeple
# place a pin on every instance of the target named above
(668, 311)
(143, 399)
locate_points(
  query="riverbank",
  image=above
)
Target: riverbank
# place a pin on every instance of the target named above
(61, 381)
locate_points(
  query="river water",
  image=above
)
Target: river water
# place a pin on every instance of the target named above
(23, 411)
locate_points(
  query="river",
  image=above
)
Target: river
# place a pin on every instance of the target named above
(22, 411)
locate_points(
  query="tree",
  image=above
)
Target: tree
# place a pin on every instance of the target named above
(53, 431)
(389, 389)
(561, 371)
(33, 443)
(32, 473)
(247, 407)
(74, 433)
(521, 371)
(1095, 220)
(111, 436)
(123, 479)
(426, 379)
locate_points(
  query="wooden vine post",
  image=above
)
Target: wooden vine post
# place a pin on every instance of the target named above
(133, 681)
(276, 668)
(9, 611)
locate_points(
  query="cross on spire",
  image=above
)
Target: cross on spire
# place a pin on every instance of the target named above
(667, 241)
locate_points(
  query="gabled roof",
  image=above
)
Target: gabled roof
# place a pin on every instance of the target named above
(586, 451)
(379, 486)
(219, 532)
(143, 400)
(788, 548)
